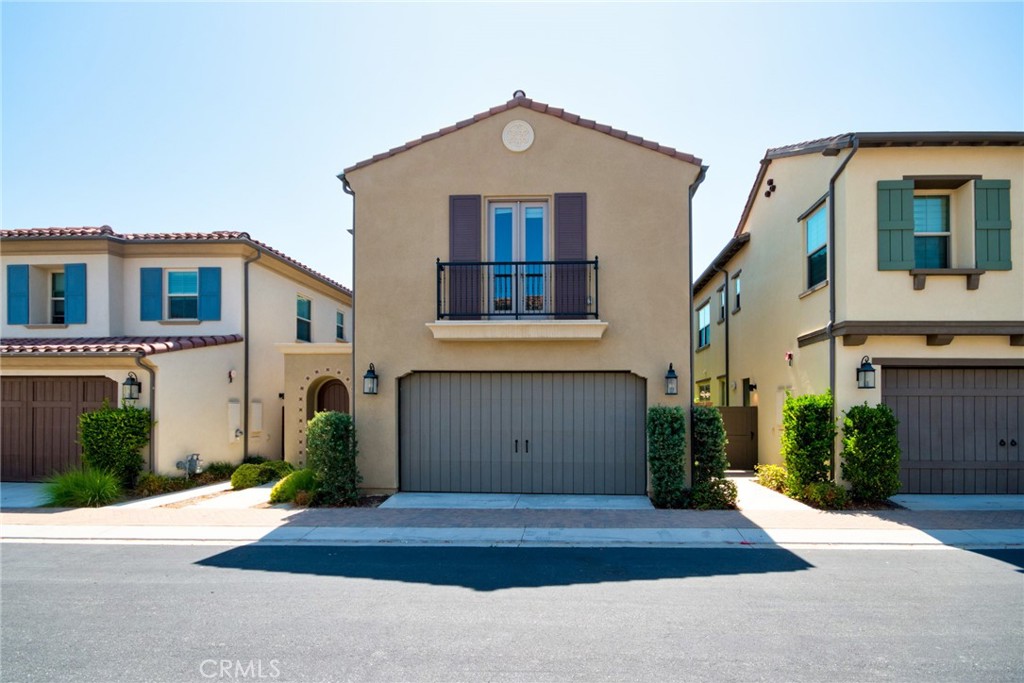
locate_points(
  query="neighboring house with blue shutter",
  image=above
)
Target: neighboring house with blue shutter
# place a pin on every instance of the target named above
(208, 323)
(526, 273)
(904, 250)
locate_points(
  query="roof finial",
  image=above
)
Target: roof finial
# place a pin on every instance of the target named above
(517, 94)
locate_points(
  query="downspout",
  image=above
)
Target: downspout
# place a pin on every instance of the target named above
(152, 407)
(832, 290)
(355, 380)
(245, 346)
(725, 291)
(689, 317)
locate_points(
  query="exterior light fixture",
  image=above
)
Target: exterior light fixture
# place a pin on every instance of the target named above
(671, 381)
(866, 374)
(131, 387)
(752, 386)
(370, 381)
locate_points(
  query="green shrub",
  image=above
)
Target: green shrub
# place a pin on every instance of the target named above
(771, 476)
(332, 449)
(247, 476)
(713, 494)
(285, 490)
(826, 495)
(666, 454)
(871, 452)
(82, 488)
(709, 443)
(807, 440)
(253, 460)
(302, 497)
(280, 468)
(215, 472)
(157, 484)
(112, 440)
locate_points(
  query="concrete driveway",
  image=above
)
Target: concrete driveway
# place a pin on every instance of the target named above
(21, 495)
(921, 501)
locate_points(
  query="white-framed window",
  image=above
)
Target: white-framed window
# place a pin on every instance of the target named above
(339, 326)
(703, 393)
(704, 326)
(182, 294)
(722, 305)
(303, 319)
(816, 227)
(518, 232)
(57, 293)
(931, 231)
(736, 291)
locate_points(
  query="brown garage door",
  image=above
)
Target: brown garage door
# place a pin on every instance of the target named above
(40, 422)
(960, 428)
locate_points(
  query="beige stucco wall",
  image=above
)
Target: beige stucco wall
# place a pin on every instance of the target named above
(306, 368)
(637, 208)
(709, 362)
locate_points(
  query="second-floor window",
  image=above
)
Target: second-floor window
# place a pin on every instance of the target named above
(722, 307)
(736, 291)
(931, 232)
(817, 248)
(704, 326)
(182, 294)
(303, 319)
(339, 326)
(57, 298)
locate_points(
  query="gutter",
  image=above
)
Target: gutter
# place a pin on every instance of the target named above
(245, 343)
(355, 380)
(689, 317)
(832, 283)
(152, 407)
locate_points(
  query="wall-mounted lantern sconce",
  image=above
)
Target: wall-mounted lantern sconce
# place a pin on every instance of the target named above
(752, 386)
(370, 381)
(866, 374)
(131, 387)
(671, 381)
(231, 376)
(789, 358)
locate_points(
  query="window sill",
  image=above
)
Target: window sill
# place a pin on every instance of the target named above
(807, 292)
(736, 310)
(920, 275)
(703, 348)
(181, 321)
(518, 330)
(46, 326)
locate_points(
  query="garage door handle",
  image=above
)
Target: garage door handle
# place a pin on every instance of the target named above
(1013, 442)
(517, 445)
(1002, 442)
(527, 445)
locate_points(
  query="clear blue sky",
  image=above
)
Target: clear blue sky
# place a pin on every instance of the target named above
(182, 117)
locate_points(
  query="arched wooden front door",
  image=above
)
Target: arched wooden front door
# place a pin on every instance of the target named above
(332, 396)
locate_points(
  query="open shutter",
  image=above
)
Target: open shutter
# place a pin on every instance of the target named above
(571, 245)
(17, 295)
(209, 293)
(74, 294)
(464, 212)
(152, 285)
(895, 224)
(992, 224)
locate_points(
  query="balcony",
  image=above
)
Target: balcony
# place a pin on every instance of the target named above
(517, 300)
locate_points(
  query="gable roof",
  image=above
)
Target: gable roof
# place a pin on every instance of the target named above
(533, 105)
(109, 346)
(107, 233)
(831, 146)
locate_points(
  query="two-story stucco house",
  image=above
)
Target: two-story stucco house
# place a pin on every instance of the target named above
(205, 323)
(897, 252)
(523, 270)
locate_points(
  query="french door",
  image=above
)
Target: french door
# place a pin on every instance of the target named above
(518, 236)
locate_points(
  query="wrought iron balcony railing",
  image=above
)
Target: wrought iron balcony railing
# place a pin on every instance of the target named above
(500, 290)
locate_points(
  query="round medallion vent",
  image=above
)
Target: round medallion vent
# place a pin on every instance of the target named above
(517, 136)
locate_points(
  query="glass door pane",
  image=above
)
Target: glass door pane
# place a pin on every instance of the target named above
(518, 234)
(502, 250)
(533, 251)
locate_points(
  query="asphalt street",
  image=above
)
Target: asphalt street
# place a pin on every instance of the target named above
(202, 613)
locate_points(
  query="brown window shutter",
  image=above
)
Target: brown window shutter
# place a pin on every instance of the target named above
(464, 216)
(571, 245)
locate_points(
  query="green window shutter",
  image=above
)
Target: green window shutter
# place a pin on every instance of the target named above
(895, 224)
(992, 224)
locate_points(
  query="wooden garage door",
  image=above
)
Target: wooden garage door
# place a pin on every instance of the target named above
(40, 422)
(960, 428)
(529, 432)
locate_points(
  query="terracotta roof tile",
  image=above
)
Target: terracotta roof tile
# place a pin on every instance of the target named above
(110, 346)
(106, 232)
(538, 107)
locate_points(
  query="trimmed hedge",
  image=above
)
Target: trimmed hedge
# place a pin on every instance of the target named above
(771, 476)
(714, 494)
(710, 461)
(331, 450)
(807, 440)
(871, 452)
(286, 489)
(82, 488)
(250, 474)
(112, 440)
(666, 455)
(826, 495)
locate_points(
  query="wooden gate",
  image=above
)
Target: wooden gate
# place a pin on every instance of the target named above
(741, 430)
(40, 422)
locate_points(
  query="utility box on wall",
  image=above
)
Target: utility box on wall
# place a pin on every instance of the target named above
(256, 417)
(234, 421)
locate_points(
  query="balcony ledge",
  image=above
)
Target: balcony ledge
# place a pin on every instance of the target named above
(517, 330)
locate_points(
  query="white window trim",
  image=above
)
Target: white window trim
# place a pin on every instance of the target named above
(167, 294)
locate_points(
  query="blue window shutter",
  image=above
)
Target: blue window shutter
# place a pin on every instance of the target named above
(992, 224)
(209, 293)
(17, 295)
(895, 224)
(152, 286)
(74, 294)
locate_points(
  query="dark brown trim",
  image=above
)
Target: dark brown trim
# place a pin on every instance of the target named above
(814, 337)
(814, 207)
(940, 182)
(938, 339)
(855, 340)
(973, 275)
(925, 327)
(949, 362)
(728, 251)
